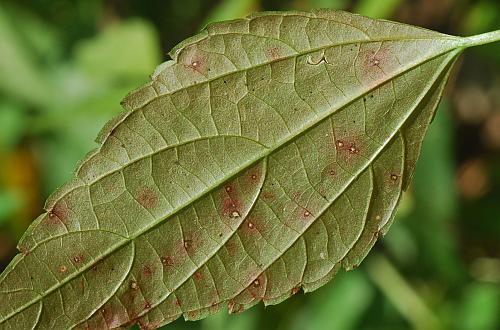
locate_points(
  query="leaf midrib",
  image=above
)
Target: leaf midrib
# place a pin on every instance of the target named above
(306, 127)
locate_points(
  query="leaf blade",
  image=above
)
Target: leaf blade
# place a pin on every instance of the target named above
(135, 153)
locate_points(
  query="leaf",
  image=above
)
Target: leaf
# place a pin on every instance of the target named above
(98, 56)
(267, 154)
(27, 82)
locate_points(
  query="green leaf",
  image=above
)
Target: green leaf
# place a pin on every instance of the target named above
(110, 54)
(26, 81)
(266, 155)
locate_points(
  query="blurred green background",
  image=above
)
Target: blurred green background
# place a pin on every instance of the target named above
(65, 65)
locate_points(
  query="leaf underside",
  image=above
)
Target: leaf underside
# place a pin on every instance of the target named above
(269, 153)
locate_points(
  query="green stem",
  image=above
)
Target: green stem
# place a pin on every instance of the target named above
(404, 298)
(481, 39)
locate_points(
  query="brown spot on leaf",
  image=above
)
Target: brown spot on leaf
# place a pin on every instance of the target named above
(78, 258)
(295, 290)
(273, 53)
(252, 226)
(167, 261)
(192, 315)
(231, 247)
(62, 269)
(393, 179)
(60, 210)
(268, 195)
(147, 198)
(58, 214)
(198, 276)
(257, 289)
(147, 271)
(235, 308)
(374, 61)
(254, 175)
(134, 285)
(353, 149)
(230, 191)
(347, 148)
(231, 207)
(196, 62)
(306, 215)
(147, 305)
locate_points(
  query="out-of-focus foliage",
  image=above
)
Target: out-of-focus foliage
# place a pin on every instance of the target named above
(65, 65)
